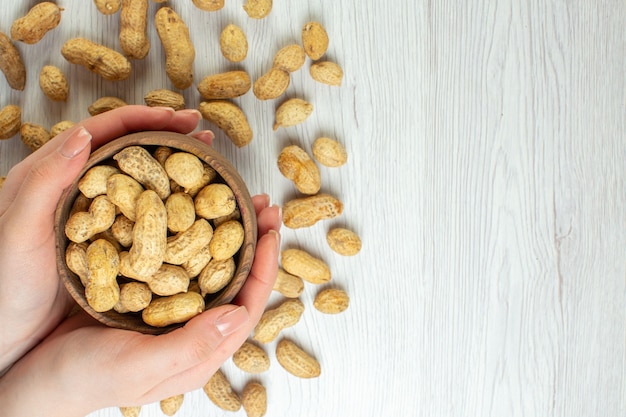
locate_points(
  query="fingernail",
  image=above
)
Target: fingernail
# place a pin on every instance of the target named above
(191, 112)
(75, 143)
(276, 237)
(230, 322)
(165, 109)
(280, 212)
(205, 136)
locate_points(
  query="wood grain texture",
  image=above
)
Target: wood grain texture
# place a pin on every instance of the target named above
(486, 144)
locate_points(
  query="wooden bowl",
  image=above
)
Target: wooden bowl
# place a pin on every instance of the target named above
(150, 140)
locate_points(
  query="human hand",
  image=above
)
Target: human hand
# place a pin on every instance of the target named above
(92, 366)
(32, 298)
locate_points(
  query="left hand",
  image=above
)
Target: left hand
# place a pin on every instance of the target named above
(33, 300)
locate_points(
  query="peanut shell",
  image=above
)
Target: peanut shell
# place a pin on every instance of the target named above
(180, 212)
(130, 411)
(81, 226)
(165, 98)
(53, 83)
(254, 399)
(304, 265)
(292, 112)
(185, 169)
(216, 275)
(273, 321)
(315, 40)
(287, 284)
(60, 127)
(139, 164)
(290, 58)
(215, 200)
(76, 260)
(224, 85)
(233, 43)
(331, 301)
(34, 136)
(149, 235)
(104, 104)
(123, 191)
(107, 7)
(230, 118)
(305, 212)
(227, 239)
(221, 393)
(258, 9)
(343, 241)
(208, 5)
(182, 246)
(296, 165)
(169, 280)
(133, 36)
(102, 291)
(11, 63)
(134, 296)
(272, 84)
(176, 308)
(171, 405)
(40, 19)
(296, 361)
(179, 50)
(251, 358)
(122, 230)
(10, 121)
(329, 152)
(326, 72)
(94, 182)
(99, 59)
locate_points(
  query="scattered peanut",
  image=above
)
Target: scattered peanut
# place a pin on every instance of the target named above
(343, 241)
(40, 19)
(10, 121)
(224, 85)
(230, 118)
(326, 72)
(99, 59)
(107, 7)
(272, 84)
(296, 361)
(104, 104)
(165, 98)
(130, 411)
(53, 83)
(11, 63)
(304, 265)
(34, 136)
(288, 284)
(179, 51)
(296, 165)
(331, 301)
(258, 9)
(221, 393)
(134, 39)
(233, 43)
(290, 58)
(329, 152)
(292, 112)
(251, 358)
(305, 212)
(171, 405)
(60, 127)
(273, 321)
(315, 40)
(254, 399)
(209, 5)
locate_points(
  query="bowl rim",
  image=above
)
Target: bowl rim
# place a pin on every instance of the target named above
(178, 141)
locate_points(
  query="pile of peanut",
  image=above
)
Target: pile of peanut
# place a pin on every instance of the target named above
(144, 284)
(153, 233)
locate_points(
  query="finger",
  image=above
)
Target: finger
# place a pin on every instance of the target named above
(103, 127)
(135, 118)
(260, 202)
(37, 197)
(205, 136)
(253, 296)
(161, 357)
(270, 218)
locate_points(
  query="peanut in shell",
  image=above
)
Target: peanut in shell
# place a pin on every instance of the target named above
(230, 118)
(97, 58)
(221, 393)
(296, 361)
(331, 301)
(165, 98)
(34, 136)
(254, 399)
(40, 19)
(292, 112)
(305, 212)
(315, 40)
(290, 58)
(329, 152)
(11, 63)
(10, 121)
(326, 72)
(224, 85)
(53, 83)
(296, 165)
(304, 265)
(179, 50)
(233, 43)
(104, 104)
(272, 84)
(258, 9)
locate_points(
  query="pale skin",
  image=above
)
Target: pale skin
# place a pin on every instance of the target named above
(60, 366)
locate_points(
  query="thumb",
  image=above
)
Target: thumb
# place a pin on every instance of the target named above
(39, 194)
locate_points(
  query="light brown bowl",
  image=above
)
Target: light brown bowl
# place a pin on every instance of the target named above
(244, 258)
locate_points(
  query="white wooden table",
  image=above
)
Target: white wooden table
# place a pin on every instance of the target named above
(486, 173)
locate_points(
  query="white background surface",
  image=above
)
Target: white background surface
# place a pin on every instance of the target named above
(486, 145)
